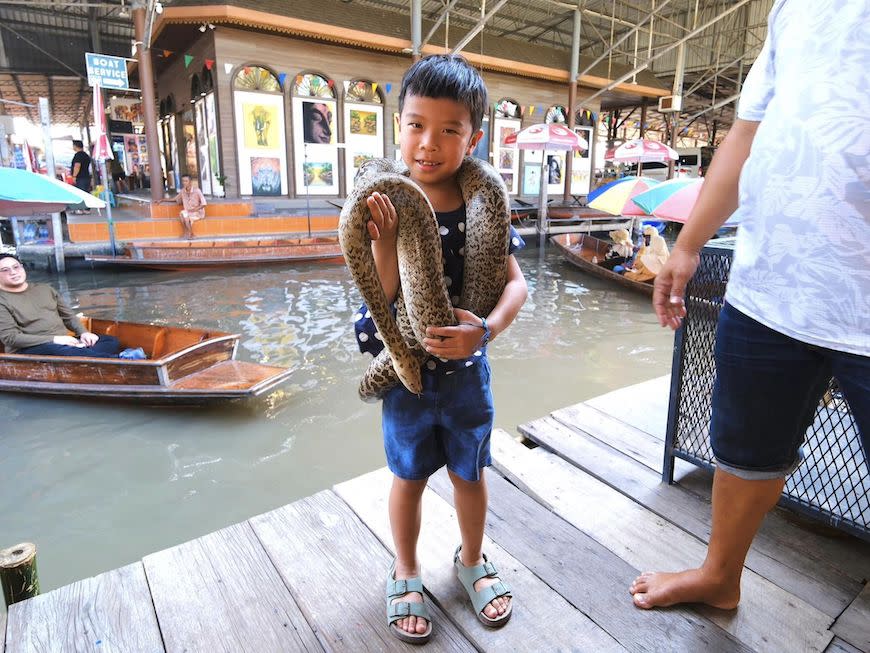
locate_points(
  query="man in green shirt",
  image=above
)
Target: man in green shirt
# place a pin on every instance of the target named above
(35, 320)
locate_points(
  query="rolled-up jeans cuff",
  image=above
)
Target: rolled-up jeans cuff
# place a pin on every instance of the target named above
(760, 474)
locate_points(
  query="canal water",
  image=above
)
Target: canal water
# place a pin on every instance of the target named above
(100, 485)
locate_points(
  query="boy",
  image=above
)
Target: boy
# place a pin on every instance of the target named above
(441, 103)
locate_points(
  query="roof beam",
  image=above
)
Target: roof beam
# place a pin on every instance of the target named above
(22, 96)
(438, 22)
(45, 52)
(477, 28)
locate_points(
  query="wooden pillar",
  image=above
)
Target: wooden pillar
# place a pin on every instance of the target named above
(643, 118)
(572, 102)
(416, 29)
(18, 573)
(149, 102)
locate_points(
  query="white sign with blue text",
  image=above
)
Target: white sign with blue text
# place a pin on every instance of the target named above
(106, 71)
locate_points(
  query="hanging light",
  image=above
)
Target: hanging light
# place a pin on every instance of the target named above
(158, 7)
(123, 12)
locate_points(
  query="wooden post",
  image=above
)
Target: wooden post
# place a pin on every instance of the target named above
(18, 573)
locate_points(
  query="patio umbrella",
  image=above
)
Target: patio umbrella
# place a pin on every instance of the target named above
(26, 193)
(546, 137)
(673, 200)
(617, 197)
(641, 150)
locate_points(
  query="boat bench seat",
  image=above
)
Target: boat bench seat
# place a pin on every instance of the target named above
(167, 341)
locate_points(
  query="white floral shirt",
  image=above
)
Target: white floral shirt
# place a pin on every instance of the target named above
(802, 262)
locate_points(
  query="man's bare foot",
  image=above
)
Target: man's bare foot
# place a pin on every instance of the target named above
(413, 624)
(499, 605)
(659, 590)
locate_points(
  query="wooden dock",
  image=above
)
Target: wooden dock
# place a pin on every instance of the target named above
(571, 523)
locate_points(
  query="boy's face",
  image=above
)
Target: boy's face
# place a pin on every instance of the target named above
(436, 137)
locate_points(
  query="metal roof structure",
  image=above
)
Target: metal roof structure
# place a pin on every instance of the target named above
(42, 42)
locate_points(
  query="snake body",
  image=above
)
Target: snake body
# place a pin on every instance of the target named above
(423, 299)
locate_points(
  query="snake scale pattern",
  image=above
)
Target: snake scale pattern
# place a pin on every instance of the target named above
(423, 299)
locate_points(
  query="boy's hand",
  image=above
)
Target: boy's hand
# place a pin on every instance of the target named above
(384, 223)
(456, 342)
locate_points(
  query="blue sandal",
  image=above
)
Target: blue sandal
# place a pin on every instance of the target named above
(468, 576)
(401, 609)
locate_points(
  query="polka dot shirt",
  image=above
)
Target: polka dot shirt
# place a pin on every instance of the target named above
(452, 228)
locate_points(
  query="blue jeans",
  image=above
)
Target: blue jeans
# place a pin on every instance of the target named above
(105, 347)
(768, 386)
(449, 424)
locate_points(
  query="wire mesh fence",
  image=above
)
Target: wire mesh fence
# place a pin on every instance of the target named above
(832, 482)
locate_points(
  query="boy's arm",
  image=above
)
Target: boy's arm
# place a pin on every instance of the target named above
(461, 341)
(511, 301)
(382, 229)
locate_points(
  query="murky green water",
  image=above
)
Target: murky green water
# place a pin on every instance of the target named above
(99, 485)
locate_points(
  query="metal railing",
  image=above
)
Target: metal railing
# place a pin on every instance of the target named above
(832, 482)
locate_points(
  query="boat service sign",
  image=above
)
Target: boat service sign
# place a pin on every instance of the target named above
(107, 72)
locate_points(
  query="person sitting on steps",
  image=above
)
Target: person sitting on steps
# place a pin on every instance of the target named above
(193, 201)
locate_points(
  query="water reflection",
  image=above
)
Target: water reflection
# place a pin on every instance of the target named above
(97, 486)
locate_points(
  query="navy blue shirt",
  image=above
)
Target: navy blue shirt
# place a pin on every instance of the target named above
(452, 228)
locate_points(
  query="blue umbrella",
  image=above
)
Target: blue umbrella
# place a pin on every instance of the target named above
(26, 193)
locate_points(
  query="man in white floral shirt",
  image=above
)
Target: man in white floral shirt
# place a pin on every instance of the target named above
(796, 167)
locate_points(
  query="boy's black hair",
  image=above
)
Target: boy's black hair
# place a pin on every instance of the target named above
(447, 76)
(187, 174)
(78, 144)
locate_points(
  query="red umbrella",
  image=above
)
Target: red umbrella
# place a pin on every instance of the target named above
(551, 136)
(547, 137)
(102, 147)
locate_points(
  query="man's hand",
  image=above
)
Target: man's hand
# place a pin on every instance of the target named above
(89, 339)
(456, 342)
(670, 287)
(69, 341)
(384, 223)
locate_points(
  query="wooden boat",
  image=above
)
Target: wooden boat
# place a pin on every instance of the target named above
(184, 366)
(190, 254)
(580, 248)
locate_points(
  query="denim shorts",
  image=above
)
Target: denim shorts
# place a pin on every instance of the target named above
(768, 386)
(449, 424)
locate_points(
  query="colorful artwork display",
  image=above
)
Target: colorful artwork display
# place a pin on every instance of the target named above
(581, 167)
(531, 179)
(190, 150)
(318, 174)
(213, 152)
(260, 123)
(364, 123)
(260, 136)
(318, 122)
(125, 109)
(202, 148)
(506, 157)
(265, 176)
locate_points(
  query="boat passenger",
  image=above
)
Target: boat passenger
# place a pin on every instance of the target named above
(35, 320)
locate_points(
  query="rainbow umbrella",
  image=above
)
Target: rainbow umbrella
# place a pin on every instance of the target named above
(673, 200)
(617, 197)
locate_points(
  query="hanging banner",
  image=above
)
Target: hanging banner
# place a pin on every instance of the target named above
(506, 158)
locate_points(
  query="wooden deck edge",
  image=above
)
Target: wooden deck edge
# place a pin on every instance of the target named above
(853, 625)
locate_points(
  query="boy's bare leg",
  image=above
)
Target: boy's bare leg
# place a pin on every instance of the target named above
(470, 499)
(406, 502)
(739, 506)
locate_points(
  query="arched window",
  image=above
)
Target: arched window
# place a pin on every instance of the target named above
(195, 88)
(207, 80)
(315, 134)
(363, 124)
(258, 102)
(556, 114)
(508, 108)
(506, 158)
(254, 78)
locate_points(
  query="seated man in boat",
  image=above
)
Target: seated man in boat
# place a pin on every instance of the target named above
(651, 258)
(193, 201)
(35, 320)
(621, 251)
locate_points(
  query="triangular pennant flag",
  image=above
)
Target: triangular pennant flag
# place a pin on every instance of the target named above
(346, 85)
(167, 54)
(187, 59)
(330, 83)
(389, 87)
(228, 68)
(375, 87)
(281, 78)
(209, 63)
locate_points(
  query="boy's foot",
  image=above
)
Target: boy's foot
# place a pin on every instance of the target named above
(660, 590)
(481, 580)
(405, 587)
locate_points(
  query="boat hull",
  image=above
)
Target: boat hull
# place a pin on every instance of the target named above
(579, 248)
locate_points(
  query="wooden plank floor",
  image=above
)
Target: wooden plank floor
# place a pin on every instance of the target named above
(570, 523)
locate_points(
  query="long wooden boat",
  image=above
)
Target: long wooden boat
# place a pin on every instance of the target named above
(580, 248)
(203, 253)
(184, 366)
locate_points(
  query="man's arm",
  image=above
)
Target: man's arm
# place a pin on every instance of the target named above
(202, 201)
(716, 202)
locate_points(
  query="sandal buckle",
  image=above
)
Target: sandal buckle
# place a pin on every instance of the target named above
(490, 569)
